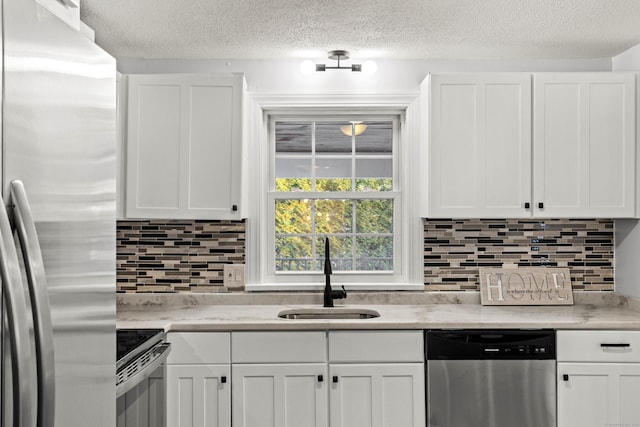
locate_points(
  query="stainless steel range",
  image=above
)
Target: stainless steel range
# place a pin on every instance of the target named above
(139, 353)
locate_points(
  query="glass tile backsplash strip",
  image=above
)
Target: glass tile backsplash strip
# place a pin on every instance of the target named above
(189, 256)
(455, 249)
(177, 255)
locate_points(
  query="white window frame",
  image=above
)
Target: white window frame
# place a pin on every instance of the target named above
(408, 229)
(395, 195)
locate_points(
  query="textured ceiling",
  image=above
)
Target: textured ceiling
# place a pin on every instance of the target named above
(436, 29)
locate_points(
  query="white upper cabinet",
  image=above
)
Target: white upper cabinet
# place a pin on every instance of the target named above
(584, 144)
(480, 145)
(520, 145)
(184, 143)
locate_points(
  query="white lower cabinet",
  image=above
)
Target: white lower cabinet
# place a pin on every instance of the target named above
(198, 378)
(279, 379)
(598, 394)
(280, 395)
(198, 395)
(598, 378)
(377, 379)
(377, 395)
(365, 379)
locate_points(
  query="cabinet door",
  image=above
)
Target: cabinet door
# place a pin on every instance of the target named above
(377, 395)
(280, 395)
(184, 146)
(480, 145)
(144, 405)
(584, 144)
(198, 396)
(598, 394)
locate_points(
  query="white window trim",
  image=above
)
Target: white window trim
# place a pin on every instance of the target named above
(259, 108)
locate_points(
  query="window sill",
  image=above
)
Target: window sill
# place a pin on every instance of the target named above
(271, 287)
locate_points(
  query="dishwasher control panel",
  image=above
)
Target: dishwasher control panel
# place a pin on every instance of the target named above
(490, 344)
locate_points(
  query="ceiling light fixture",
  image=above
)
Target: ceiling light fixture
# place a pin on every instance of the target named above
(308, 67)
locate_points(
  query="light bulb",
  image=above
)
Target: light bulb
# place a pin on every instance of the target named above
(369, 67)
(307, 67)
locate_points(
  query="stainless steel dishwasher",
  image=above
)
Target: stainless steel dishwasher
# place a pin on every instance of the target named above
(491, 378)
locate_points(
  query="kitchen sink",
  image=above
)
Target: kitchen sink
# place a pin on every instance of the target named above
(328, 313)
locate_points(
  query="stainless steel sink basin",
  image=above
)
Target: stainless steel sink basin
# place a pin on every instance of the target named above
(328, 313)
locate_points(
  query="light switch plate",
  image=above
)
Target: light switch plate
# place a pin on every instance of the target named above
(234, 275)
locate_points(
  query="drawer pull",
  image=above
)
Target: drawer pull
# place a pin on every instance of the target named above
(565, 377)
(320, 378)
(615, 345)
(223, 380)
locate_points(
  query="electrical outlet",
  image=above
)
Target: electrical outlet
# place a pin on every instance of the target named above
(234, 275)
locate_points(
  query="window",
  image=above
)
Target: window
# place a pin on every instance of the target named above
(334, 178)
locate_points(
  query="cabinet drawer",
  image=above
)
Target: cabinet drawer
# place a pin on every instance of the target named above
(278, 347)
(198, 348)
(598, 346)
(376, 346)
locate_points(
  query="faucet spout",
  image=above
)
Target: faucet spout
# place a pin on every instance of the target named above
(329, 294)
(327, 261)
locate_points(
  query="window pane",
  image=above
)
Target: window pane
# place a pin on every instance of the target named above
(293, 137)
(333, 175)
(374, 253)
(377, 138)
(331, 139)
(294, 254)
(372, 184)
(341, 252)
(293, 167)
(374, 216)
(293, 184)
(334, 216)
(293, 216)
(337, 184)
(374, 168)
(333, 168)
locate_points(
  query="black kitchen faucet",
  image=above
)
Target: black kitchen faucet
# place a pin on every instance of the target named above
(329, 294)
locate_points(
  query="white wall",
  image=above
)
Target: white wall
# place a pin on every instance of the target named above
(627, 257)
(400, 76)
(628, 60)
(627, 238)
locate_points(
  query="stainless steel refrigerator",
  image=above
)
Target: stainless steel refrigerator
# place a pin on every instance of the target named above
(58, 139)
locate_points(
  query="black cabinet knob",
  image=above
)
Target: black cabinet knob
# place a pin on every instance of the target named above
(540, 205)
(335, 379)
(320, 378)
(565, 377)
(223, 380)
(234, 208)
(527, 205)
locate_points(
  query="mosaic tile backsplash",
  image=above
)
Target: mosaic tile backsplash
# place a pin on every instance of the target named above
(177, 256)
(454, 250)
(189, 256)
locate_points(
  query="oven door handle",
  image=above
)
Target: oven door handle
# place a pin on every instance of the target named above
(141, 368)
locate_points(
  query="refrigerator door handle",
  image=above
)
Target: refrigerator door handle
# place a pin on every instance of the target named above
(18, 321)
(37, 281)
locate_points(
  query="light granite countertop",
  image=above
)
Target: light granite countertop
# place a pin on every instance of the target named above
(206, 312)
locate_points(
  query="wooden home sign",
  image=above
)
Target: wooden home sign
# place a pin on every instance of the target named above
(525, 286)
